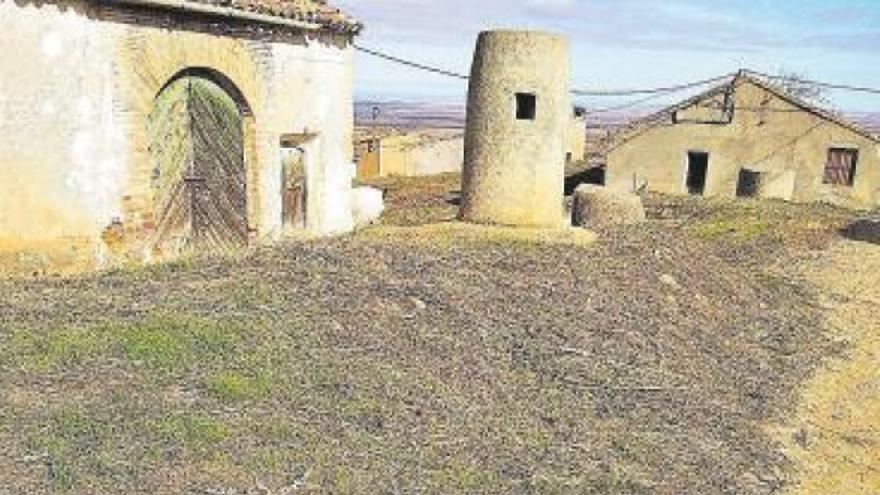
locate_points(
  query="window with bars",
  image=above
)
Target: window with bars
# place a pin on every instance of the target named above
(840, 169)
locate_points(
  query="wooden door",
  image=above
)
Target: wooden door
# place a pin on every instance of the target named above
(293, 189)
(199, 180)
(217, 176)
(172, 154)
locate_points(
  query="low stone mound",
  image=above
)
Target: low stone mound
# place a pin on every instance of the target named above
(596, 206)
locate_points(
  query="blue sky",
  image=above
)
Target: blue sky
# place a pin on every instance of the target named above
(628, 43)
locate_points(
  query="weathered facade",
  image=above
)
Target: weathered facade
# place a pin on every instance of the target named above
(130, 128)
(412, 154)
(748, 138)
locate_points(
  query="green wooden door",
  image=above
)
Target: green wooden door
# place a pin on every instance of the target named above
(199, 180)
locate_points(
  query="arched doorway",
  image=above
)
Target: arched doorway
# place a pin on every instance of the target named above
(199, 174)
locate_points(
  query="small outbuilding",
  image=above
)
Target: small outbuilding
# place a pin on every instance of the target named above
(748, 138)
(411, 154)
(133, 130)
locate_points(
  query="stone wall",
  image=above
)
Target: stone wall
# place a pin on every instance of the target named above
(77, 84)
(787, 145)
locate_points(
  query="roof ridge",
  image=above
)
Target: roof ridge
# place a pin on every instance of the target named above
(653, 119)
(762, 81)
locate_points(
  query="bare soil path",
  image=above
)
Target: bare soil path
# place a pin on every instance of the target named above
(834, 437)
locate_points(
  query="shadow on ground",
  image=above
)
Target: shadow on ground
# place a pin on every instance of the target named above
(865, 230)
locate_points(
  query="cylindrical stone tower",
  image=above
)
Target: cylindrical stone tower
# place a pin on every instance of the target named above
(518, 114)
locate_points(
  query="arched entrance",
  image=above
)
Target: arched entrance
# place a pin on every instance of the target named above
(199, 175)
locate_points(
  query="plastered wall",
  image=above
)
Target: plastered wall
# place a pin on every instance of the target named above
(77, 84)
(787, 145)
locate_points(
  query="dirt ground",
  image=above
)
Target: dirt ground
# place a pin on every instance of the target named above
(715, 349)
(834, 436)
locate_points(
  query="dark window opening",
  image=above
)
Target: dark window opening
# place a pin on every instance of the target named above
(698, 166)
(748, 184)
(568, 157)
(526, 106)
(840, 169)
(593, 175)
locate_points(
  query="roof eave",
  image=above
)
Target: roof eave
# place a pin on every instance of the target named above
(352, 28)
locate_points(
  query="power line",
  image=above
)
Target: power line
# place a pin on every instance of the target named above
(409, 63)
(656, 95)
(844, 87)
(624, 106)
(652, 92)
(667, 89)
(578, 92)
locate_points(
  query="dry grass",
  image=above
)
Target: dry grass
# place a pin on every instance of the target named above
(416, 358)
(833, 437)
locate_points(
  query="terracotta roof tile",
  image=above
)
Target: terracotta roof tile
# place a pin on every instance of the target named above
(317, 11)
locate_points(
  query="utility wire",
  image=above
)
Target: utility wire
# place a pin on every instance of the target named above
(668, 89)
(653, 92)
(578, 92)
(624, 106)
(844, 87)
(408, 63)
(656, 95)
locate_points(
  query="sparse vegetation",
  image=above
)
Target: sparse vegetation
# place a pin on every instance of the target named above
(647, 361)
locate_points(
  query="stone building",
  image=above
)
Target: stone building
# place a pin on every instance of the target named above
(133, 130)
(748, 138)
(411, 154)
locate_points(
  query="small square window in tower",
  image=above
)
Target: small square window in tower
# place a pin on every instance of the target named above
(526, 106)
(840, 169)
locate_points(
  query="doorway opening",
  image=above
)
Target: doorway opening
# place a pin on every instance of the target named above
(698, 167)
(293, 188)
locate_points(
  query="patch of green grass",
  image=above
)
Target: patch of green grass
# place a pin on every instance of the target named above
(471, 479)
(80, 447)
(195, 434)
(37, 351)
(232, 387)
(742, 228)
(69, 436)
(163, 344)
(168, 344)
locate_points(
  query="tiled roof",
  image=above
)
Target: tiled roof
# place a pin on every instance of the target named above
(314, 11)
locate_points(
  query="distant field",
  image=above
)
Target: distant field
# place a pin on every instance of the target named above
(430, 115)
(420, 356)
(409, 114)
